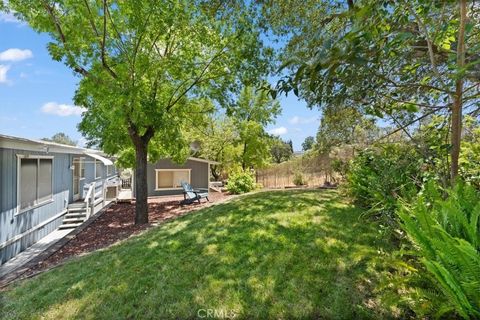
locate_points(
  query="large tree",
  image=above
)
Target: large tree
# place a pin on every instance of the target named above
(280, 150)
(401, 60)
(344, 126)
(218, 142)
(253, 110)
(308, 143)
(145, 67)
(62, 138)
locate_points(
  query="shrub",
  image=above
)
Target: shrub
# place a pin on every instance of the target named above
(378, 177)
(240, 182)
(447, 237)
(298, 179)
(341, 167)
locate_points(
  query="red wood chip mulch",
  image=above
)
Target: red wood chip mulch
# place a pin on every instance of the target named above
(117, 223)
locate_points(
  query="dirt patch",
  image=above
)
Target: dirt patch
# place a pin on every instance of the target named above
(117, 223)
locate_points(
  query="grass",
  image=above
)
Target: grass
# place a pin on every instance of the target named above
(282, 254)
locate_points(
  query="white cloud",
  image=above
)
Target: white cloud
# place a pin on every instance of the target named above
(3, 73)
(278, 131)
(300, 120)
(82, 142)
(15, 54)
(62, 110)
(8, 18)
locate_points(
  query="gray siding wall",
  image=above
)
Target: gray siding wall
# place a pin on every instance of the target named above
(12, 225)
(198, 175)
(90, 174)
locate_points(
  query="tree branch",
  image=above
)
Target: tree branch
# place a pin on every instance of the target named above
(431, 54)
(104, 36)
(63, 39)
(407, 125)
(172, 101)
(92, 22)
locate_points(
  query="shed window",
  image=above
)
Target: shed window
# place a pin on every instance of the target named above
(171, 179)
(35, 182)
(98, 169)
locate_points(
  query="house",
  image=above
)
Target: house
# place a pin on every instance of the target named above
(165, 177)
(44, 186)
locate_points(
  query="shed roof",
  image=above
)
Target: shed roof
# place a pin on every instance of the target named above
(203, 160)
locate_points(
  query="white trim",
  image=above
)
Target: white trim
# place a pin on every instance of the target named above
(109, 170)
(160, 170)
(37, 146)
(36, 205)
(78, 160)
(104, 160)
(95, 170)
(33, 156)
(82, 167)
(23, 234)
(203, 160)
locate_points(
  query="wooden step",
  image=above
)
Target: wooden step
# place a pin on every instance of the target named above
(77, 205)
(76, 215)
(73, 220)
(77, 211)
(69, 225)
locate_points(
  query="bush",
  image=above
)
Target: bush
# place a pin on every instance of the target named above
(378, 177)
(341, 167)
(240, 182)
(298, 179)
(446, 233)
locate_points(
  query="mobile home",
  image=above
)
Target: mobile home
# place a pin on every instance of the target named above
(42, 188)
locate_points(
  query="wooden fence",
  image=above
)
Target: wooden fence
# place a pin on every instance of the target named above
(316, 170)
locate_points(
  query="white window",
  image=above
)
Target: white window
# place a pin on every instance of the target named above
(109, 170)
(35, 182)
(82, 168)
(80, 162)
(171, 179)
(98, 169)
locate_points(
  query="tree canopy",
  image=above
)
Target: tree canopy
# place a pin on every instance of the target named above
(400, 61)
(252, 112)
(146, 67)
(308, 143)
(280, 150)
(62, 138)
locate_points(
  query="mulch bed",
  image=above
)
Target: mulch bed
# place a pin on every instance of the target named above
(117, 223)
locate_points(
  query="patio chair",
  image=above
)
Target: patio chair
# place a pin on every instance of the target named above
(191, 195)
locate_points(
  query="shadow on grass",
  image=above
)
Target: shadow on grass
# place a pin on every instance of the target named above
(280, 254)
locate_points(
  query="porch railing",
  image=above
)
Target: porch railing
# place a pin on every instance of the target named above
(90, 200)
(127, 183)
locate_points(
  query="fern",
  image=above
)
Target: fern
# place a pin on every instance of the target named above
(446, 234)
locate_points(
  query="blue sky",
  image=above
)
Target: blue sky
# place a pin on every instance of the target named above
(36, 92)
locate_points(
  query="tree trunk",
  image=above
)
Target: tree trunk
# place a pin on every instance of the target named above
(213, 171)
(141, 190)
(456, 136)
(244, 165)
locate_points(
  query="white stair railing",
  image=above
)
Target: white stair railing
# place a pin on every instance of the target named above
(90, 200)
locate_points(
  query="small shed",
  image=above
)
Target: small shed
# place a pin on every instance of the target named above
(165, 176)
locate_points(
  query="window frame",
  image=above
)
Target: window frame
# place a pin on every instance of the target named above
(166, 170)
(19, 167)
(81, 163)
(109, 170)
(95, 169)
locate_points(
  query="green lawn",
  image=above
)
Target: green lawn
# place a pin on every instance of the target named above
(281, 254)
